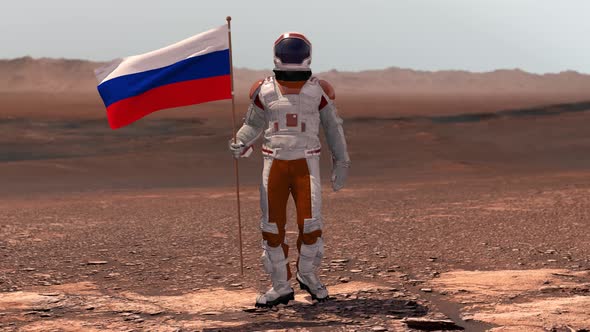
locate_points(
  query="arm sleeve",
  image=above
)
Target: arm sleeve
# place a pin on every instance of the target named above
(332, 125)
(253, 126)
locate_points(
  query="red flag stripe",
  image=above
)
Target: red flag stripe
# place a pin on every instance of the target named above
(172, 95)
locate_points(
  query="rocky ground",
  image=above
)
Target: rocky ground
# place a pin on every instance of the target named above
(474, 225)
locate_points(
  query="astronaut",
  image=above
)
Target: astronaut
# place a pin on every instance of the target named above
(288, 109)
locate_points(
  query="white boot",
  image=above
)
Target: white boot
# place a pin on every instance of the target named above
(275, 264)
(310, 258)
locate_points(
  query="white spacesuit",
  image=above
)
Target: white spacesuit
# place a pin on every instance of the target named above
(288, 109)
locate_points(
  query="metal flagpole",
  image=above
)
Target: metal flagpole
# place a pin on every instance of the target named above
(233, 110)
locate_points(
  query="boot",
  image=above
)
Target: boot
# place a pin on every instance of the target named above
(310, 258)
(275, 264)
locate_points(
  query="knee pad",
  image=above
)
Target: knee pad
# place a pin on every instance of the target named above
(268, 227)
(311, 225)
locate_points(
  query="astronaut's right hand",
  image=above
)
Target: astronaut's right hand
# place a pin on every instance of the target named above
(239, 149)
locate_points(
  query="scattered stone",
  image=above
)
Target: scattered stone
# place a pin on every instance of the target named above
(356, 271)
(49, 294)
(378, 328)
(29, 269)
(549, 289)
(236, 285)
(344, 279)
(339, 261)
(430, 324)
(89, 307)
(563, 275)
(411, 303)
(426, 290)
(96, 262)
(211, 313)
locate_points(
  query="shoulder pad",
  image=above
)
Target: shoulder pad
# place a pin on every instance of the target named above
(255, 87)
(328, 89)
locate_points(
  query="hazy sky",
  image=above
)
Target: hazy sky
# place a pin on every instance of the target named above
(479, 35)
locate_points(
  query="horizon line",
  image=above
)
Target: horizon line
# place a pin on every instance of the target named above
(515, 69)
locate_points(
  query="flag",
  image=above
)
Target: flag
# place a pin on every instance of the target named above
(192, 71)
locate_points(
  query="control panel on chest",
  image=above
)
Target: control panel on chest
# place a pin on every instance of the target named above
(295, 111)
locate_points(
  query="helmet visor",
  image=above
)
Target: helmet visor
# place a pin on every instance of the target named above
(292, 50)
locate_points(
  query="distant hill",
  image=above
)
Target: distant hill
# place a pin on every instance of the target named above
(76, 76)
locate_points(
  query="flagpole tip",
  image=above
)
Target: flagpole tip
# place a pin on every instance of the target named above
(228, 18)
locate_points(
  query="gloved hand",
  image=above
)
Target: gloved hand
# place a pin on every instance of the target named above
(239, 149)
(339, 174)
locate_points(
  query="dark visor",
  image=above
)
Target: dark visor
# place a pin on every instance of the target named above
(292, 50)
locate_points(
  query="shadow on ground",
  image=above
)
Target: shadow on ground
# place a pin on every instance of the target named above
(331, 314)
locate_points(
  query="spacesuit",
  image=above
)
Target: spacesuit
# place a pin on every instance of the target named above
(287, 109)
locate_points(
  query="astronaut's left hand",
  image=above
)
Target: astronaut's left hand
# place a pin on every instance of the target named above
(339, 175)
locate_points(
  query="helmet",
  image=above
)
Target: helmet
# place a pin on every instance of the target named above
(292, 52)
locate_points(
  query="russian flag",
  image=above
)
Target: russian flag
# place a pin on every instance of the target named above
(193, 71)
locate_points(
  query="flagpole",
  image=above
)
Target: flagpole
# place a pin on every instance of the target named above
(233, 110)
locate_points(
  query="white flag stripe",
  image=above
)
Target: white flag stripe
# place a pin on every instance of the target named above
(203, 43)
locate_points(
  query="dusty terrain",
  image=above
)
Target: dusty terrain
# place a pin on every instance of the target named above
(464, 211)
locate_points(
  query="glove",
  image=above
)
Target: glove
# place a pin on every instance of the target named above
(239, 149)
(339, 175)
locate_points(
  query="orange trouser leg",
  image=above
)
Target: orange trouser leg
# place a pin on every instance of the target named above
(301, 190)
(278, 195)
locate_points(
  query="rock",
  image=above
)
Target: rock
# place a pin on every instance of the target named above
(415, 281)
(378, 328)
(356, 271)
(339, 261)
(344, 279)
(426, 290)
(28, 269)
(430, 324)
(549, 289)
(96, 262)
(211, 313)
(236, 285)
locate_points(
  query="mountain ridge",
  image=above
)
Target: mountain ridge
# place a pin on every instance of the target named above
(61, 75)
